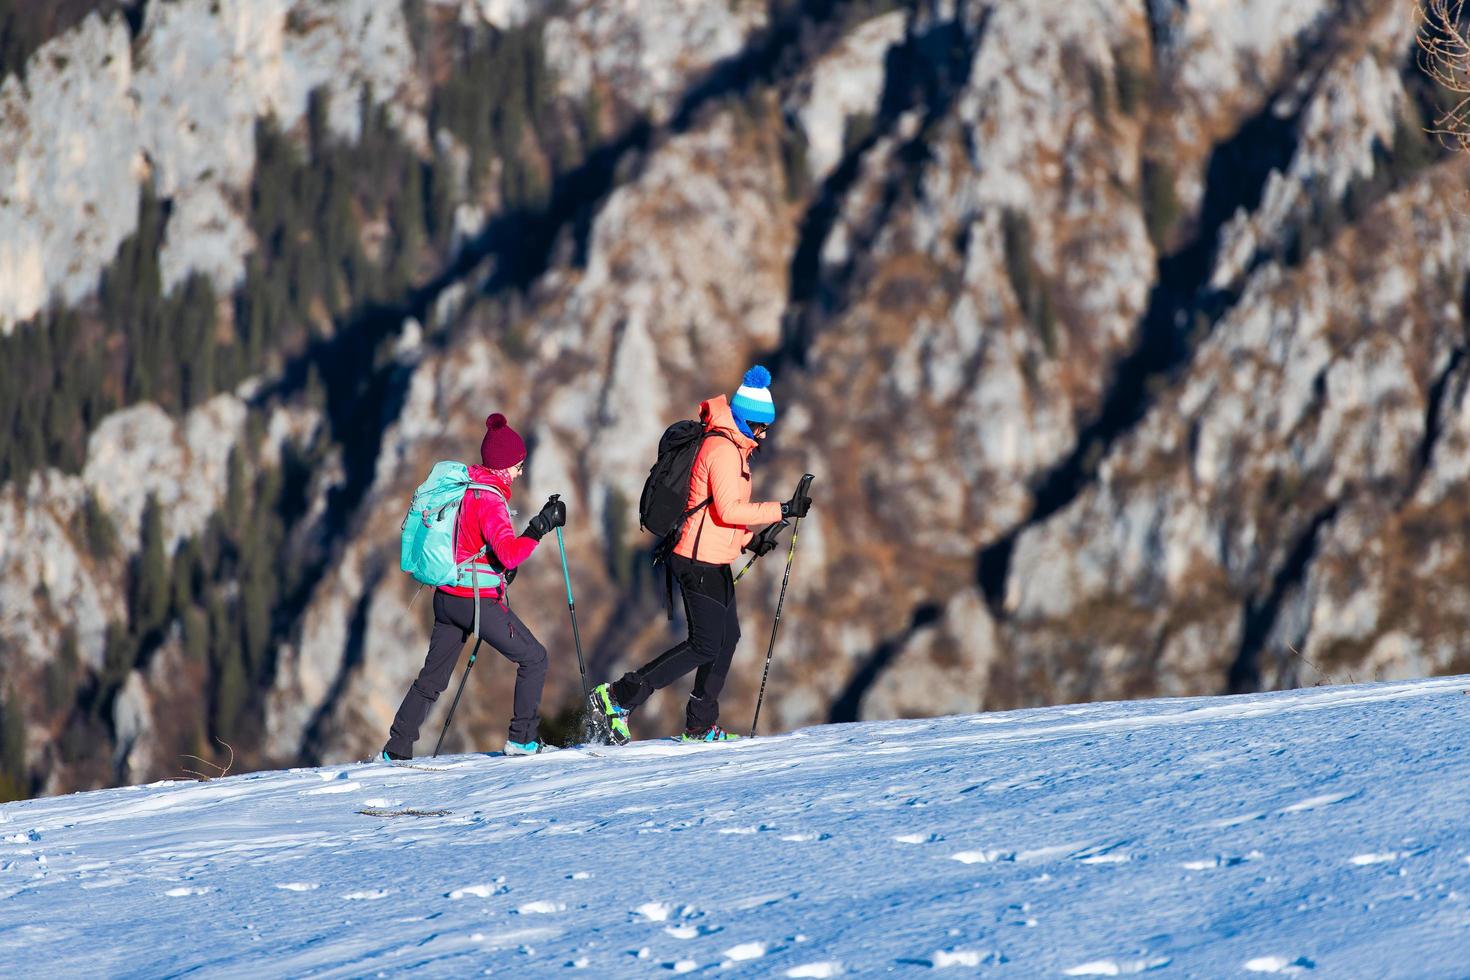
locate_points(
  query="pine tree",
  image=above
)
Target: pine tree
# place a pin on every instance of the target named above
(235, 495)
(152, 579)
(119, 652)
(181, 581)
(98, 529)
(257, 594)
(228, 669)
(230, 692)
(196, 634)
(61, 672)
(14, 783)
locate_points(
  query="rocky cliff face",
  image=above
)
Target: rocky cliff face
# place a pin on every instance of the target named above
(99, 113)
(1125, 341)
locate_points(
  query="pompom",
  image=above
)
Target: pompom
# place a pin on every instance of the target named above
(496, 421)
(757, 377)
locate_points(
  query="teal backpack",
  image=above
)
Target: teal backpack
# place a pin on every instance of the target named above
(426, 550)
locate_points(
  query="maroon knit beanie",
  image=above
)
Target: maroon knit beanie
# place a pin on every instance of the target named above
(502, 446)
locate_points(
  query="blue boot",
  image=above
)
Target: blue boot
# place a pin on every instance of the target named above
(527, 748)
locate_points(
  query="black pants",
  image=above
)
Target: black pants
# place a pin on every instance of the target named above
(454, 619)
(714, 632)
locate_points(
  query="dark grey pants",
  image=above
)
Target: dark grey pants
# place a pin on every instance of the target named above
(454, 619)
(714, 632)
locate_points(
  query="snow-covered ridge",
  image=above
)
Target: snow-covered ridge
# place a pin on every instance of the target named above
(1314, 830)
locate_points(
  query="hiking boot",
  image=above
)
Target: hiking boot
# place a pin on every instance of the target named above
(387, 756)
(713, 733)
(527, 748)
(610, 715)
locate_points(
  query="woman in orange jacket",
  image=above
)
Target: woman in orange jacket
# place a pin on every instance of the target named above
(719, 528)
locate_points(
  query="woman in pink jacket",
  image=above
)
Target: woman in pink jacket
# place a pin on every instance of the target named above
(484, 519)
(715, 534)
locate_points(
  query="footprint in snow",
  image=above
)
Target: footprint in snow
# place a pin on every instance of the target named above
(681, 966)
(183, 892)
(297, 886)
(743, 952)
(1117, 968)
(944, 958)
(687, 931)
(805, 838)
(1227, 822)
(1363, 860)
(983, 857)
(1279, 964)
(1105, 854)
(967, 957)
(655, 911)
(826, 968)
(541, 908)
(332, 788)
(366, 896)
(480, 891)
(918, 838)
(1317, 802)
(1221, 861)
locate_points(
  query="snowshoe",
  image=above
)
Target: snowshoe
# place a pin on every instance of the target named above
(713, 733)
(610, 716)
(527, 748)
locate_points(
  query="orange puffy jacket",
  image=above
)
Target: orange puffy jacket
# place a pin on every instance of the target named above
(722, 474)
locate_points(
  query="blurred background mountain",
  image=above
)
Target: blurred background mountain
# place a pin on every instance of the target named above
(1127, 341)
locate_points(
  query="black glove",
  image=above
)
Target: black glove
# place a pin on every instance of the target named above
(799, 503)
(553, 515)
(510, 576)
(764, 541)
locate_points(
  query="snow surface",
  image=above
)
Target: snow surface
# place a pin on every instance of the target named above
(1311, 832)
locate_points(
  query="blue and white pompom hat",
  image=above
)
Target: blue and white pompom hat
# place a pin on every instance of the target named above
(752, 403)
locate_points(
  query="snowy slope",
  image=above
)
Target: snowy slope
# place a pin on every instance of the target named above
(1316, 832)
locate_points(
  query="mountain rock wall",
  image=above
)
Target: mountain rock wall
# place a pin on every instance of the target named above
(1125, 342)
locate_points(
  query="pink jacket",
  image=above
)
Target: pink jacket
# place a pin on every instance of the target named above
(722, 472)
(484, 517)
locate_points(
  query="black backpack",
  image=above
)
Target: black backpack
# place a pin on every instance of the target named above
(661, 508)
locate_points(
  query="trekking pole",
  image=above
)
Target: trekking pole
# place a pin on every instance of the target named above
(806, 482)
(465, 677)
(741, 574)
(572, 607)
